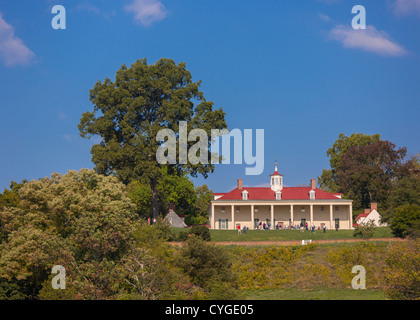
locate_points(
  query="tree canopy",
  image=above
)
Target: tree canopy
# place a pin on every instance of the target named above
(80, 220)
(328, 178)
(366, 172)
(129, 112)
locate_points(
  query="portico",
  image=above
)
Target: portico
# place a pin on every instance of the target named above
(232, 215)
(280, 206)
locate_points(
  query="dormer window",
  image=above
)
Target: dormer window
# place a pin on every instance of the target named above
(312, 194)
(244, 195)
(278, 195)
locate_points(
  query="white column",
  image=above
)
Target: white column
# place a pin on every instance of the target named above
(212, 217)
(291, 215)
(331, 217)
(272, 217)
(311, 210)
(351, 216)
(232, 210)
(252, 216)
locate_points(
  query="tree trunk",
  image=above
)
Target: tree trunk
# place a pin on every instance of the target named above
(155, 204)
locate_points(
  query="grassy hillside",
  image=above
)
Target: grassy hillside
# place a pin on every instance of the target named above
(320, 293)
(308, 272)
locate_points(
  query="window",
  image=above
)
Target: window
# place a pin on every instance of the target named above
(322, 208)
(223, 210)
(337, 208)
(244, 195)
(278, 195)
(312, 195)
(238, 209)
(256, 209)
(302, 209)
(223, 223)
(337, 223)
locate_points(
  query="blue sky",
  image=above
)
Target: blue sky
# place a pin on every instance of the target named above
(293, 68)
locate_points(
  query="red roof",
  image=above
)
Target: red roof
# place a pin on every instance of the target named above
(275, 174)
(362, 215)
(288, 193)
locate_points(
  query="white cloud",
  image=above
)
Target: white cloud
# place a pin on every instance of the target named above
(87, 7)
(324, 17)
(370, 40)
(147, 11)
(406, 7)
(12, 49)
(62, 115)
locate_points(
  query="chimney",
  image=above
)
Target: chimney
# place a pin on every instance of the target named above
(313, 184)
(239, 184)
(373, 206)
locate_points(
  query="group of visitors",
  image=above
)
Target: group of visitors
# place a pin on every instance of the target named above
(244, 229)
(302, 227)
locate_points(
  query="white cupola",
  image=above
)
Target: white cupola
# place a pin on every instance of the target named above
(276, 180)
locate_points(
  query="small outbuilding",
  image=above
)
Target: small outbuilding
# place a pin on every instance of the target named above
(175, 220)
(371, 214)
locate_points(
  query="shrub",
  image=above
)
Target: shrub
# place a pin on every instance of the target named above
(365, 230)
(202, 232)
(402, 275)
(209, 267)
(406, 221)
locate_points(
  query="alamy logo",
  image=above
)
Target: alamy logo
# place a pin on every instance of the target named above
(359, 281)
(59, 281)
(199, 152)
(59, 21)
(359, 21)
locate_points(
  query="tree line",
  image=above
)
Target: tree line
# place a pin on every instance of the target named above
(367, 169)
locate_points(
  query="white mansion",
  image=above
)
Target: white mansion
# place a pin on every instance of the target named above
(280, 206)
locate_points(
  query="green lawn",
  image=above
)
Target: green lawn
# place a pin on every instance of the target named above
(314, 294)
(287, 235)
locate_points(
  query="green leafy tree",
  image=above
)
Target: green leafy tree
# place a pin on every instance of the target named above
(9, 198)
(150, 269)
(204, 197)
(177, 190)
(328, 179)
(366, 172)
(81, 220)
(129, 112)
(202, 232)
(405, 222)
(404, 191)
(365, 230)
(209, 267)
